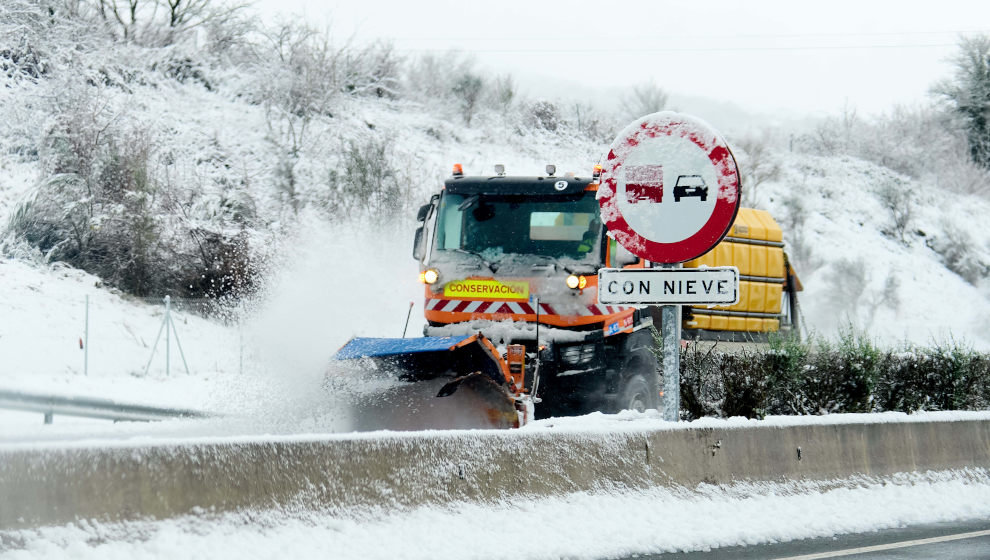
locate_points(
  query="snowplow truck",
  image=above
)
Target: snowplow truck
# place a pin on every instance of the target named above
(514, 329)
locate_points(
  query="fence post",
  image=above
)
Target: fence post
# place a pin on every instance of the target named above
(240, 332)
(168, 337)
(168, 326)
(86, 341)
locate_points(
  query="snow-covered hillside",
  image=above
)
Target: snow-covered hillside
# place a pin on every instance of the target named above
(839, 216)
(229, 156)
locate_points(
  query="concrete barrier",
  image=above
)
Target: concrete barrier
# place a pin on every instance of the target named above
(121, 482)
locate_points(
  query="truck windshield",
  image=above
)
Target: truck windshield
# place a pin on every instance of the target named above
(559, 227)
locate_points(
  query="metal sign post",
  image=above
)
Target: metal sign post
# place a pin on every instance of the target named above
(669, 193)
(670, 325)
(669, 287)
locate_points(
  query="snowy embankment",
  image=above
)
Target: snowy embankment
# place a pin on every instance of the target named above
(858, 270)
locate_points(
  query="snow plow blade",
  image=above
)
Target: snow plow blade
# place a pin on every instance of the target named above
(456, 382)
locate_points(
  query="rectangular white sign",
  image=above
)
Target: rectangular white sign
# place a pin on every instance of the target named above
(669, 286)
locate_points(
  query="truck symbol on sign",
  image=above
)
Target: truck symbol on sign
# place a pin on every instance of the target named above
(690, 185)
(644, 183)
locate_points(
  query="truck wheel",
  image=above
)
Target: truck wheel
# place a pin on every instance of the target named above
(635, 395)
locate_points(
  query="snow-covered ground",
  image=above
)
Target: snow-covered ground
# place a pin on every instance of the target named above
(269, 362)
(905, 292)
(264, 373)
(333, 279)
(576, 526)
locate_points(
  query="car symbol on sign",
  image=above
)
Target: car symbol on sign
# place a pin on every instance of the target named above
(690, 185)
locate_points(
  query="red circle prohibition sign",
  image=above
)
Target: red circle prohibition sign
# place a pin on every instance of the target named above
(698, 132)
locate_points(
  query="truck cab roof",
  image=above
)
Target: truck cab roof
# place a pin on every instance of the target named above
(501, 185)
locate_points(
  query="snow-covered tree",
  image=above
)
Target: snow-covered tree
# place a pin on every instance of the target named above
(968, 93)
(643, 99)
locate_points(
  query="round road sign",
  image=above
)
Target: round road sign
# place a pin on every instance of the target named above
(669, 188)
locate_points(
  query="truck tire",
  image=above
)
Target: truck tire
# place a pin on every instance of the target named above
(635, 394)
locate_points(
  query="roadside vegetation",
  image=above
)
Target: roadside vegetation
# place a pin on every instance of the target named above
(819, 376)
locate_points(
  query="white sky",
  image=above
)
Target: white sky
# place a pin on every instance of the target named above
(763, 55)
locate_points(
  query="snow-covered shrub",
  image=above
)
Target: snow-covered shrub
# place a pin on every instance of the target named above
(702, 390)
(185, 69)
(757, 165)
(502, 93)
(800, 247)
(748, 385)
(591, 124)
(947, 376)
(369, 182)
(95, 209)
(956, 249)
(296, 74)
(841, 377)
(468, 90)
(107, 205)
(543, 115)
(818, 376)
(35, 39)
(643, 99)
(848, 279)
(432, 78)
(897, 198)
(374, 70)
(720, 384)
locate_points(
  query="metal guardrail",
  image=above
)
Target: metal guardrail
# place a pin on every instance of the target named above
(87, 407)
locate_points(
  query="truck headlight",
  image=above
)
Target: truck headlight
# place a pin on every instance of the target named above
(576, 282)
(429, 276)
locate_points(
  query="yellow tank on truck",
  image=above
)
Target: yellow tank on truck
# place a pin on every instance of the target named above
(755, 246)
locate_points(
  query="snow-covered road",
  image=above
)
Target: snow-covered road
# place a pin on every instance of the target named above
(577, 526)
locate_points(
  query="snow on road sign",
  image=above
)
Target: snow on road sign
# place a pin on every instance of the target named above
(669, 188)
(669, 286)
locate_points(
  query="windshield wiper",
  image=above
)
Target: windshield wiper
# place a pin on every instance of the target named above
(545, 266)
(491, 266)
(468, 202)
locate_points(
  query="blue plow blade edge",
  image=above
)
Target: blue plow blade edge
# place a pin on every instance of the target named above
(359, 347)
(461, 369)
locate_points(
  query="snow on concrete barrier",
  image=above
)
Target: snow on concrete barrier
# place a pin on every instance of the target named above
(43, 486)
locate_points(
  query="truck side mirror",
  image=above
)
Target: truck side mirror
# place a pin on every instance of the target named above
(424, 211)
(419, 245)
